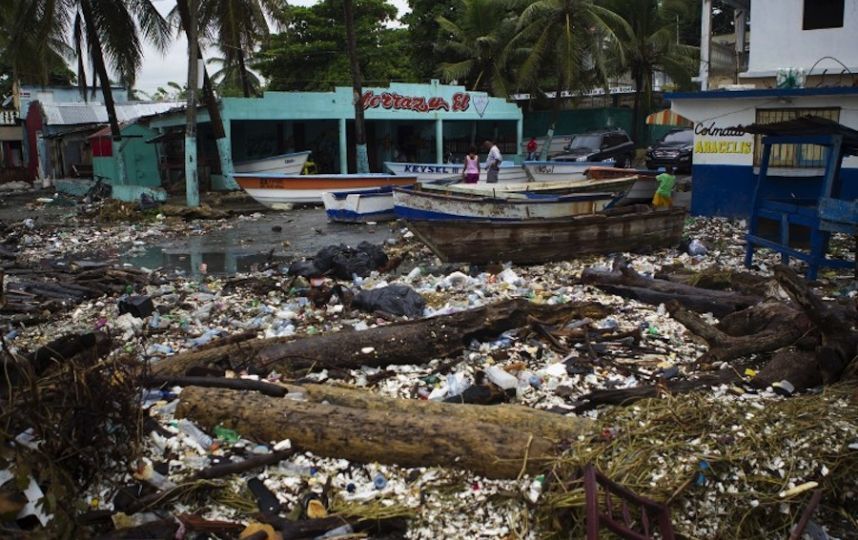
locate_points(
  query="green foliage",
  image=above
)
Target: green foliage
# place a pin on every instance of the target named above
(475, 45)
(310, 54)
(423, 31)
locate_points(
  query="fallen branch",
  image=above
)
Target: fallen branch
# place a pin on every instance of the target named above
(410, 342)
(263, 387)
(489, 447)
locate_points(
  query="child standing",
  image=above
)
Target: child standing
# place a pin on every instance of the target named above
(664, 193)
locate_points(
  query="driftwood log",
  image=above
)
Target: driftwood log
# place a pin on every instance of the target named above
(623, 281)
(490, 441)
(411, 342)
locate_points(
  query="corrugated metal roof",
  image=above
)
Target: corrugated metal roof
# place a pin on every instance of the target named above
(71, 114)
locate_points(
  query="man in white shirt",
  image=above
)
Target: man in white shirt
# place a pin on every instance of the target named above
(492, 162)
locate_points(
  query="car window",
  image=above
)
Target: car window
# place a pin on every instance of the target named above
(682, 136)
(592, 142)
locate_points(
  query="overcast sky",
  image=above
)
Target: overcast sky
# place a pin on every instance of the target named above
(160, 68)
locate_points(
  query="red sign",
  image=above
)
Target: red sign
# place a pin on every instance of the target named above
(397, 102)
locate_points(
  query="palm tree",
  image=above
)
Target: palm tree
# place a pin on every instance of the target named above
(238, 27)
(228, 78)
(107, 32)
(650, 43)
(29, 52)
(565, 42)
(478, 39)
(361, 158)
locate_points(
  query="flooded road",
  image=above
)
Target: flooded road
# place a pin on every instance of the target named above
(276, 237)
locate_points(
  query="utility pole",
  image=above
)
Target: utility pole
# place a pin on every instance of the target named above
(192, 181)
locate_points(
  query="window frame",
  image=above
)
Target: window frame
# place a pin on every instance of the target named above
(792, 156)
(811, 10)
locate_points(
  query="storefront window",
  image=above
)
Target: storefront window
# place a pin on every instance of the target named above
(793, 156)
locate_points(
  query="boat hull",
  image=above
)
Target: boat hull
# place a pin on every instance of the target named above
(272, 189)
(360, 206)
(282, 164)
(417, 204)
(557, 186)
(429, 172)
(551, 171)
(535, 241)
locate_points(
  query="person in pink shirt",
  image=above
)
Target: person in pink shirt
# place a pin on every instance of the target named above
(471, 171)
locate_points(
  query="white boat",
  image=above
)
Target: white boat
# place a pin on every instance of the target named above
(547, 171)
(274, 190)
(360, 206)
(580, 184)
(283, 164)
(416, 203)
(428, 172)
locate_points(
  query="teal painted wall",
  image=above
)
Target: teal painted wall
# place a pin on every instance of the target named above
(141, 163)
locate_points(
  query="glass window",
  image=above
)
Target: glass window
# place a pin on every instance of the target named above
(685, 136)
(823, 14)
(592, 142)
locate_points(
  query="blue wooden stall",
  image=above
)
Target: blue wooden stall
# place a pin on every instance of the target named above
(822, 215)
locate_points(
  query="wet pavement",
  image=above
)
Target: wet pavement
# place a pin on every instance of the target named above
(253, 241)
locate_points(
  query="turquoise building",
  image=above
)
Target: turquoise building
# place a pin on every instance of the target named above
(404, 122)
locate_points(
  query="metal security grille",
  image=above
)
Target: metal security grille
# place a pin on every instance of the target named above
(793, 156)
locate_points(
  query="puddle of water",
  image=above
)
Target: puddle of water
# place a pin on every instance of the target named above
(248, 243)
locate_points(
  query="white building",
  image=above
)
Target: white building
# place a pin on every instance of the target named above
(817, 40)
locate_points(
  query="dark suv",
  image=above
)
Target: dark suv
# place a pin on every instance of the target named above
(675, 149)
(599, 146)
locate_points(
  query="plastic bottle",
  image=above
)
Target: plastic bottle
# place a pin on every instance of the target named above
(501, 378)
(696, 247)
(289, 468)
(188, 428)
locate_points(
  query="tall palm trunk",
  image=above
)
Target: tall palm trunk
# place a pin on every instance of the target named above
(361, 157)
(106, 90)
(224, 150)
(192, 182)
(555, 116)
(245, 82)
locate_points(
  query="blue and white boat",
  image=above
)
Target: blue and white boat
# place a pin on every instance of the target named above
(415, 203)
(360, 206)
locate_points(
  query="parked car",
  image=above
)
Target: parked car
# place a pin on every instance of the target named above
(603, 145)
(676, 149)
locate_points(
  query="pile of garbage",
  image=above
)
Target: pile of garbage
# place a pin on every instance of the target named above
(731, 458)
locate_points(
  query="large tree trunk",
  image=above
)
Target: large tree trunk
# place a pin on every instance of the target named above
(489, 447)
(94, 41)
(218, 132)
(555, 116)
(245, 82)
(361, 158)
(411, 342)
(623, 281)
(636, 108)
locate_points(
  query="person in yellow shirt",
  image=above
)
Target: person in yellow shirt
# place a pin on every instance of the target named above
(664, 192)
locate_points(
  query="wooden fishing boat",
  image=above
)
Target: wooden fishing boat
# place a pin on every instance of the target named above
(428, 172)
(581, 184)
(600, 173)
(360, 206)
(277, 189)
(533, 241)
(549, 171)
(415, 203)
(281, 164)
